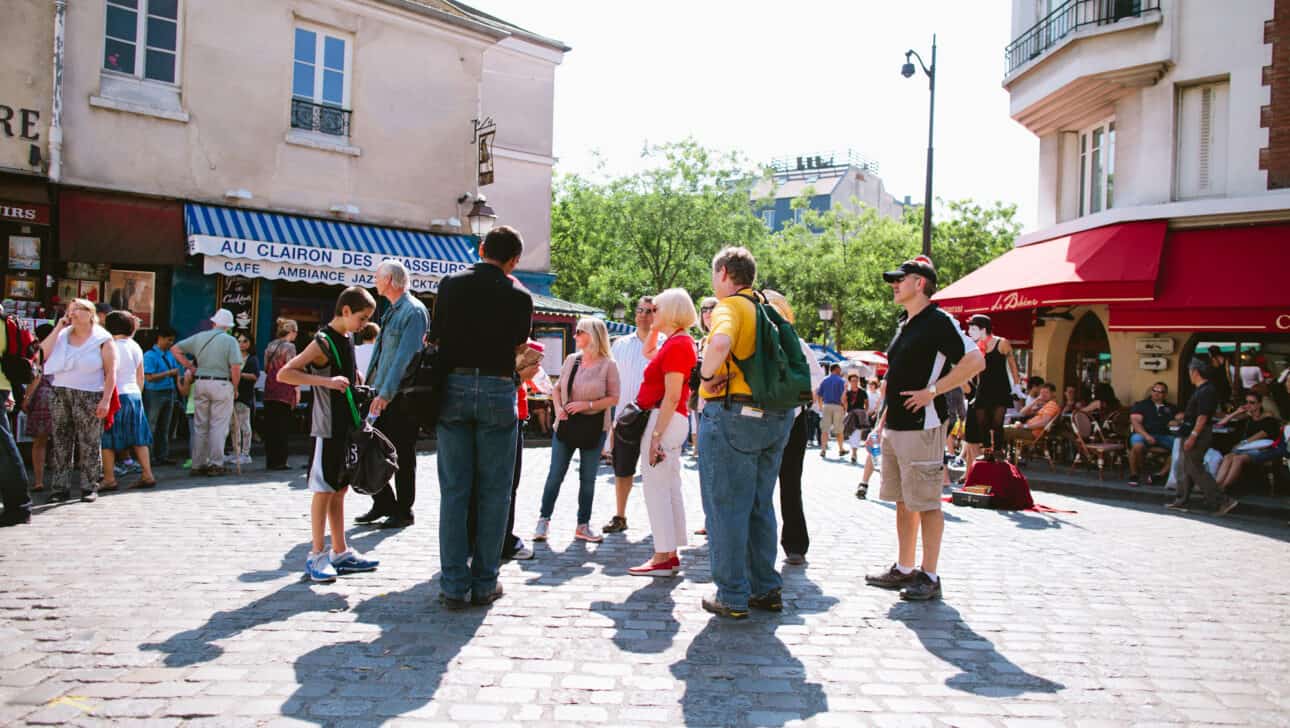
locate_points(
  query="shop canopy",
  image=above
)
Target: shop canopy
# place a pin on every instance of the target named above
(1115, 263)
(258, 244)
(1218, 279)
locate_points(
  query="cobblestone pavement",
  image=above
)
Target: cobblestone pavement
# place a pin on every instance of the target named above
(185, 605)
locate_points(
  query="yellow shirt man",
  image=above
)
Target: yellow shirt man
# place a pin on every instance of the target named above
(736, 317)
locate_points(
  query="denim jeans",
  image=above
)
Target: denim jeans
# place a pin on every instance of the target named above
(588, 464)
(740, 449)
(476, 432)
(13, 474)
(159, 405)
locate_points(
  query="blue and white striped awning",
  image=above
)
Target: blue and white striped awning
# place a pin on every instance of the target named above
(291, 247)
(618, 328)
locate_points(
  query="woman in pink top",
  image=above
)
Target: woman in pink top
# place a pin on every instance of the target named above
(592, 390)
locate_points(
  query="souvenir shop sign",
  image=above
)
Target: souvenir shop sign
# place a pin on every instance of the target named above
(307, 273)
(309, 256)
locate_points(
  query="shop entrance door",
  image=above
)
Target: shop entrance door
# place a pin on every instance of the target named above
(1088, 355)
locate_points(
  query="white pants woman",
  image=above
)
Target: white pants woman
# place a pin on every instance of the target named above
(661, 484)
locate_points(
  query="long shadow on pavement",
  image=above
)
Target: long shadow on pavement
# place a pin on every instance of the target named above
(397, 674)
(553, 568)
(1036, 522)
(644, 622)
(942, 631)
(363, 538)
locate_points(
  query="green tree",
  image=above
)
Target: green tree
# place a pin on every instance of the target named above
(616, 239)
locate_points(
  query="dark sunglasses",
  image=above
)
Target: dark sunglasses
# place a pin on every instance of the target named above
(646, 310)
(707, 309)
(1158, 391)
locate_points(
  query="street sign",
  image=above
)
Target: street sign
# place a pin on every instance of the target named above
(1153, 363)
(1156, 345)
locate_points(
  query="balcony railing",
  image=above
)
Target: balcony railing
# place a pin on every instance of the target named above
(322, 118)
(1069, 17)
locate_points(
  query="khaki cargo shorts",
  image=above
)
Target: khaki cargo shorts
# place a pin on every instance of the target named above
(831, 422)
(913, 463)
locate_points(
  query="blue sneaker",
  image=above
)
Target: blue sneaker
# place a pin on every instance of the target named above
(319, 569)
(352, 562)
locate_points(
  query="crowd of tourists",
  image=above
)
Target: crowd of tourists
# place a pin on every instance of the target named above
(98, 405)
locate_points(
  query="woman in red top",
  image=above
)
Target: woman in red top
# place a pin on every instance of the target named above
(665, 390)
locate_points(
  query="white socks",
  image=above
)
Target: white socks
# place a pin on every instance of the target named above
(904, 569)
(932, 575)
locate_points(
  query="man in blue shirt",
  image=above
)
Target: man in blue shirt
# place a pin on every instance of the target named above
(403, 333)
(161, 376)
(830, 394)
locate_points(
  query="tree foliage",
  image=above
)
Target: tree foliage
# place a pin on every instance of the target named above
(615, 239)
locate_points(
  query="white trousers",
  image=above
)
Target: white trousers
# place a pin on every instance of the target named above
(662, 485)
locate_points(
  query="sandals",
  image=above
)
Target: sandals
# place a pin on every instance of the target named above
(142, 484)
(106, 487)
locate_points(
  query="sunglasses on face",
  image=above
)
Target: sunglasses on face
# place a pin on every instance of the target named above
(580, 331)
(645, 310)
(707, 309)
(899, 280)
(1157, 391)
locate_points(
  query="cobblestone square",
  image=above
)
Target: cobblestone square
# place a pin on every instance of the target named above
(185, 605)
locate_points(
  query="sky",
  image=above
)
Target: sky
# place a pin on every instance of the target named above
(779, 79)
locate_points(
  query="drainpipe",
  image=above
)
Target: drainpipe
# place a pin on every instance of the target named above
(56, 116)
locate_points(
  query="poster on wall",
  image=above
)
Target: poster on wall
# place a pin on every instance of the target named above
(20, 287)
(89, 290)
(67, 290)
(88, 271)
(552, 341)
(238, 295)
(133, 291)
(24, 252)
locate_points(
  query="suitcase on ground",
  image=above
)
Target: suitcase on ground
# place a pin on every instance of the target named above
(1009, 489)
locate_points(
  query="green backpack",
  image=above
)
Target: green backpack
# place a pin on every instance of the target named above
(777, 372)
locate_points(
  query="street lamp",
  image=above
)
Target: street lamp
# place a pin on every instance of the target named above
(619, 311)
(481, 217)
(826, 315)
(907, 71)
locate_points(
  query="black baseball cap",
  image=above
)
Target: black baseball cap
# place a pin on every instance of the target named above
(102, 307)
(922, 265)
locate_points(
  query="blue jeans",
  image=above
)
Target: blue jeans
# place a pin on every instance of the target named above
(1165, 441)
(476, 431)
(13, 474)
(739, 457)
(159, 405)
(588, 463)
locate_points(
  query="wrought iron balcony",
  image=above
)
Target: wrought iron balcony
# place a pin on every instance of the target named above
(1069, 17)
(322, 118)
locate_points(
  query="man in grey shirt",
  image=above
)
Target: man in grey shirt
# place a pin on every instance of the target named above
(216, 363)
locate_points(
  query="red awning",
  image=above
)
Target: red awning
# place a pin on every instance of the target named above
(1109, 264)
(120, 229)
(1219, 279)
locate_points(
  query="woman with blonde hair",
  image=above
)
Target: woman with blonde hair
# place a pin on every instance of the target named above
(664, 393)
(793, 535)
(588, 387)
(81, 357)
(280, 399)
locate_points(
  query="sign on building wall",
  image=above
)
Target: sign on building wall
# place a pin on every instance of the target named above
(251, 251)
(216, 264)
(485, 132)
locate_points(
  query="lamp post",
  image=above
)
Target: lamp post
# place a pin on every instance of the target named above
(907, 71)
(481, 217)
(619, 311)
(826, 315)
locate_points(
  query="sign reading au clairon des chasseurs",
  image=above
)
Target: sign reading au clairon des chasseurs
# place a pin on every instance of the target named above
(259, 259)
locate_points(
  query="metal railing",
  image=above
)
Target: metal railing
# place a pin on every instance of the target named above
(322, 118)
(1069, 17)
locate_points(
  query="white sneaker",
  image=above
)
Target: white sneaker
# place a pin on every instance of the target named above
(524, 554)
(543, 525)
(319, 569)
(585, 533)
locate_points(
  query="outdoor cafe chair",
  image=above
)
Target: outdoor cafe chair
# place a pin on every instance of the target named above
(1090, 449)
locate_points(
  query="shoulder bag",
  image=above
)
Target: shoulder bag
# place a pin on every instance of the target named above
(581, 431)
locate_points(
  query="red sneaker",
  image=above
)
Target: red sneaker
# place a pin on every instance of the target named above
(664, 568)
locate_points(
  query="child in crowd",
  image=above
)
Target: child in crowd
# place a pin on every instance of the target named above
(188, 392)
(327, 365)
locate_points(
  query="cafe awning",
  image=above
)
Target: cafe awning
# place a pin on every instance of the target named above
(1110, 264)
(259, 244)
(1218, 279)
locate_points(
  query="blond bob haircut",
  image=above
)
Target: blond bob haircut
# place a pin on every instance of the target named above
(599, 334)
(284, 326)
(83, 304)
(777, 299)
(674, 309)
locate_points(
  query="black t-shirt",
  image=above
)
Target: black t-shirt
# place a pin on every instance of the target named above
(1155, 419)
(480, 316)
(1204, 401)
(1267, 427)
(924, 348)
(246, 387)
(856, 400)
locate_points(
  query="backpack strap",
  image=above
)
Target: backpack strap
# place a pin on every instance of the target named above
(349, 396)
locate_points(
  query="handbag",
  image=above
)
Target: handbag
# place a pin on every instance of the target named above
(629, 426)
(370, 458)
(581, 431)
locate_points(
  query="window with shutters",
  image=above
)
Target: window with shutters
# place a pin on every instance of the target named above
(1097, 168)
(1202, 141)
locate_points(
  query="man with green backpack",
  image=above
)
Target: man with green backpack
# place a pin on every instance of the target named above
(754, 377)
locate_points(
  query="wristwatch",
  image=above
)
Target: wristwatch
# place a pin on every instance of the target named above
(932, 388)
(655, 434)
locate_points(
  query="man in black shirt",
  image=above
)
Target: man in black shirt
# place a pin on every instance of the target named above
(930, 355)
(481, 320)
(1198, 422)
(1150, 420)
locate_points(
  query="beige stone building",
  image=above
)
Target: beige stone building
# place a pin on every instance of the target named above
(260, 153)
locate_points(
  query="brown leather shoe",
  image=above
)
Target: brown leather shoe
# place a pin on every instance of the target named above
(891, 578)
